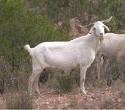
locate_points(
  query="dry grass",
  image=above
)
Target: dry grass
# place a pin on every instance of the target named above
(96, 98)
(63, 91)
(18, 100)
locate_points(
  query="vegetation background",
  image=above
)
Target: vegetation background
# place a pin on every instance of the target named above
(36, 21)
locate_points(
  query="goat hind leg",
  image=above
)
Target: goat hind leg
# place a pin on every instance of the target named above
(30, 83)
(32, 79)
(36, 83)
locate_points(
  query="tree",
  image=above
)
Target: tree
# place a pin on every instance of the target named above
(19, 26)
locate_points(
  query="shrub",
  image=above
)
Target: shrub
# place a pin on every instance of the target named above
(65, 83)
(19, 26)
(115, 71)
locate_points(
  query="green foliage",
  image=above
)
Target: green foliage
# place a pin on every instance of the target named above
(65, 83)
(19, 26)
(87, 10)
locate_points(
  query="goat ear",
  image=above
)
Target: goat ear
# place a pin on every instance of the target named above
(93, 29)
(90, 24)
(107, 20)
(106, 27)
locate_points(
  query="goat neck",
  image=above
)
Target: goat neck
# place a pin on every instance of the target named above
(94, 41)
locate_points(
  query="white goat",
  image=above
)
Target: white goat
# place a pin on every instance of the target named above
(112, 47)
(66, 55)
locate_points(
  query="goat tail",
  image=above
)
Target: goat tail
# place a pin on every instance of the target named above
(27, 47)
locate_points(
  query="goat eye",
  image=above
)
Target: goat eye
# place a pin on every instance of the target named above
(94, 29)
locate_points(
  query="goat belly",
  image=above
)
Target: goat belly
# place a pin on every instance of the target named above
(61, 59)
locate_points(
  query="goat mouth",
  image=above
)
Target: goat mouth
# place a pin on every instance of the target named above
(101, 38)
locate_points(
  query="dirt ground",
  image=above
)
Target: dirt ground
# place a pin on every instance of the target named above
(99, 98)
(105, 98)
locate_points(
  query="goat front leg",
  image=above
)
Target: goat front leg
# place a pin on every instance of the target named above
(82, 78)
(99, 62)
(106, 64)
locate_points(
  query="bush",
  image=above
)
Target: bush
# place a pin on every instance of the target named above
(115, 71)
(65, 83)
(19, 26)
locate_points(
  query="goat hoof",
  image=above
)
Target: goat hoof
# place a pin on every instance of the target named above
(83, 92)
(37, 92)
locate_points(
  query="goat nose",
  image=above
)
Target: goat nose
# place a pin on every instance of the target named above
(101, 34)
